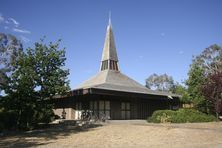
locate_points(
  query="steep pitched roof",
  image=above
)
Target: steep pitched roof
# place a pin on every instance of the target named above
(111, 78)
(109, 49)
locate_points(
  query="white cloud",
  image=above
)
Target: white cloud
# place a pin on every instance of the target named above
(25, 39)
(1, 18)
(181, 52)
(14, 22)
(21, 30)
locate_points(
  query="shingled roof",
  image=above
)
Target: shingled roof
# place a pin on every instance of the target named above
(110, 78)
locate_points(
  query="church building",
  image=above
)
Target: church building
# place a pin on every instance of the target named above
(112, 93)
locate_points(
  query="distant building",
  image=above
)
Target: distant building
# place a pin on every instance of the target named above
(112, 93)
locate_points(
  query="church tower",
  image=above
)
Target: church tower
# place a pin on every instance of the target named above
(109, 57)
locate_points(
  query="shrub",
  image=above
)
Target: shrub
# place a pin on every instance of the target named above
(8, 120)
(161, 116)
(180, 116)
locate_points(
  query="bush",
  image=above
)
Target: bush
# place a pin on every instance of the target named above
(180, 116)
(8, 120)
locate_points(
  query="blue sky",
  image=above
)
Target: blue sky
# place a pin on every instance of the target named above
(152, 36)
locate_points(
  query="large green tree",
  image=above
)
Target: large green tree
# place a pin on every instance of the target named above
(39, 75)
(10, 48)
(211, 61)
(196, 78)
(208, 63)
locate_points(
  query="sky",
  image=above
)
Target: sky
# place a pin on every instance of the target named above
(152, 36)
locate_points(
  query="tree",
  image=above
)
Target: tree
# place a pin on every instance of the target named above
(196, 78)
(21, 98)
(10, 48)
(211, 59)
(39, 76)
(160, 82)
(182, 90)
(212, 89)
(208, 63)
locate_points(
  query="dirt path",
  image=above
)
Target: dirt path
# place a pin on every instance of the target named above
(123, 134)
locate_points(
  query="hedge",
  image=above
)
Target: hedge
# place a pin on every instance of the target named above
(180, 116)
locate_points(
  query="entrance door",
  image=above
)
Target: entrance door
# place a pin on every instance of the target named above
(125, 110)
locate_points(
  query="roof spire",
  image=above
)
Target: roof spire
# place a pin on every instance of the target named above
(109, 56)
(110, 18)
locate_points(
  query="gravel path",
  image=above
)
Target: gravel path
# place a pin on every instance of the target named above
(121, 134)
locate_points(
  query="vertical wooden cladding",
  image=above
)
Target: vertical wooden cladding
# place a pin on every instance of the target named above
(143, 108)
(118, 107)
(115, 110)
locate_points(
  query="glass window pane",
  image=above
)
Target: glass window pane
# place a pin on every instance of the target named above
(107, 105)
(101, 105)
(123, 105)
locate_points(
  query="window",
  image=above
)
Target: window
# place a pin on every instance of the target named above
(103, 108)
(125, 110)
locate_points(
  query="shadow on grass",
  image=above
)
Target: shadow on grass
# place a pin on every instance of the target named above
(42, 136)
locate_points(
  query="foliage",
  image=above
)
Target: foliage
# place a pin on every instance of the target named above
(203, 74)
(8, 120)
(166, 83)
(10, 48)
(212, 90)
(181, 90)
(38, 77)
(180, 116)
(211, 59)
(196, 78)
(160, 82)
